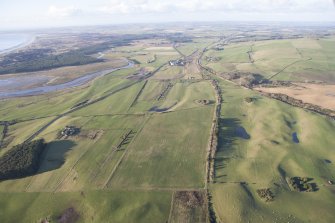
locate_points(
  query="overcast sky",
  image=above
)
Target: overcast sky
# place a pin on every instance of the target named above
(16, 14)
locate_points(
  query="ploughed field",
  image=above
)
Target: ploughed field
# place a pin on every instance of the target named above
(132, 146)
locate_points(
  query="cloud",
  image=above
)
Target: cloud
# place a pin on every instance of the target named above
(250, 6)
(55, 11)
(87, 12)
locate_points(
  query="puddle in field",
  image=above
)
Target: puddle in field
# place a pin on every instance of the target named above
(295, 137)
(241, 132)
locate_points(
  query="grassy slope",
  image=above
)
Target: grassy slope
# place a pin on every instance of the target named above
(93, 206)
(257, 161)
(81, 164)
(172, 143)
(313, 59)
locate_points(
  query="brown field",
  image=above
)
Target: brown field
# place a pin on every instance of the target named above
(191, 69)
(317, 94)
(189, 206)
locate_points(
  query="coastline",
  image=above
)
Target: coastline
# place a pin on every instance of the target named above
(27, 42)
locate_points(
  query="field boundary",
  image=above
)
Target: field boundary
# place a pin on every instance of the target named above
(138, 95)
(105, 185)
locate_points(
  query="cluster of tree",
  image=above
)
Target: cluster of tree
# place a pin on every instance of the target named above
(211, 211)
(204, 101)
(22, 160)
(214, 137)
(245, 79)
(30, 54)
(302, 184)
(265, 194)
(71, 58)
(165, 91)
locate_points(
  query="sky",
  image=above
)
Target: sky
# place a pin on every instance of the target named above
(29, 14)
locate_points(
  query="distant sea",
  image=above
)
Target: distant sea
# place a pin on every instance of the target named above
(9, 41)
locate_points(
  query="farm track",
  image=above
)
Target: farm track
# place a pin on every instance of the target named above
(287, 66)
(168, 189)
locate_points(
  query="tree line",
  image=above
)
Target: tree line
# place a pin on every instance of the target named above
(21, 160)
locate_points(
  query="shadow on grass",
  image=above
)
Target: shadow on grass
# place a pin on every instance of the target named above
(230, 130)
(54, 155)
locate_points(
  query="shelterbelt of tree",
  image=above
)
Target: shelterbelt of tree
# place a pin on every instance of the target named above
(22, 160)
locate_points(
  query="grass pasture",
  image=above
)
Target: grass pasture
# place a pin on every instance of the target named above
(292, 60)
(78, 162)
(268, 157)
(141, 152)
(83, 168)
(91, 206)
(177, 154)
(168, 72)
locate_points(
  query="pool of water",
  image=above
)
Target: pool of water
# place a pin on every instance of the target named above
(295, 137)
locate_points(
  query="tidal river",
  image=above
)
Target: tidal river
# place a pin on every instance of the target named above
(46, 89)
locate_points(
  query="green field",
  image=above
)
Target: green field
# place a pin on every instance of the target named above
(304, 59)
(92, 206)
(142, 151)
(268, 157)
(94, 166)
